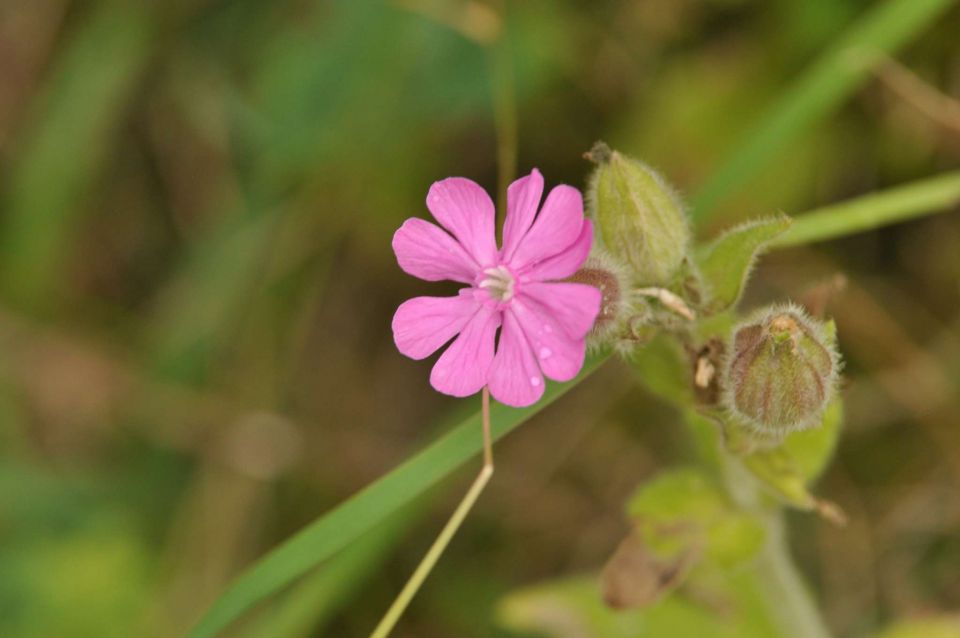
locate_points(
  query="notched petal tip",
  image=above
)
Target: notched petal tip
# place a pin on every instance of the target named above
(556, 228)
(523, 200)
(467, 212)
(428, 252)
(423, 324)
(566, 262)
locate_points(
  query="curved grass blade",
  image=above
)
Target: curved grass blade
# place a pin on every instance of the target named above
(833, 77)
(313, 601)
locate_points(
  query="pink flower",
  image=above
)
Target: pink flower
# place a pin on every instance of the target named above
(543, 322)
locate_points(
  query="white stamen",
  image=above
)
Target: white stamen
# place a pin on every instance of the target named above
(499, 283)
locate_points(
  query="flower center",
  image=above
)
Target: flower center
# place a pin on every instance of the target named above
(498, 282)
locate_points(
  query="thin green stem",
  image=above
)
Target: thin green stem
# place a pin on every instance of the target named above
(433, 555)
(436, 550)
(875, 210)
(504, 116)
(487, 437)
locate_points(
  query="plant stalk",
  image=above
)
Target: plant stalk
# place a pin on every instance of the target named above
(436, 550)
(786, 595)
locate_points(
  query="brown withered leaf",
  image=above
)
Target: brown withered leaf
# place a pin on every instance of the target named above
(636, 576)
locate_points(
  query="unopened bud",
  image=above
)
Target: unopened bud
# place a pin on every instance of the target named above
(603, 273)
(610, 287)
(780, 371)
(639, 216)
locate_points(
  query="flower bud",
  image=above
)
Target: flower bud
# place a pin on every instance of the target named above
(623, 319)
(601, 273)
(781, 370)
(639, 216)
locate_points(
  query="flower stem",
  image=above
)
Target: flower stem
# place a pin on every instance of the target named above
(436, 550)
(504, 111)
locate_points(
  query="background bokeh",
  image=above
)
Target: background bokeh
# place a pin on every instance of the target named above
(196, 283)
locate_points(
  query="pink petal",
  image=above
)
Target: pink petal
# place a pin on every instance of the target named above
(422, 324)
(465, 209)
(462, 369)
(574, 307)
(556, 228)
(560, 356)
(565, 263)
(523, 198)
(515, 377)
(426, 251)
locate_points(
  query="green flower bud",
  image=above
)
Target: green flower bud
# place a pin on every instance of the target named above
(639, 216)
(780, 371)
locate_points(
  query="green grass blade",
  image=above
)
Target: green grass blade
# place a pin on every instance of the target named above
(936, 194)
(369, 507)
(312, 602)
(823, 87)
(75, 118)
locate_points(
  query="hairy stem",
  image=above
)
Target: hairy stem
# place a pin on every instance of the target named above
(783, 587)
(784, 591)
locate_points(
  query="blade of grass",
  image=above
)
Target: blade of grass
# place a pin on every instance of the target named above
(936, 194)
(366, 509)
(335, 530)
(75, 119)
(823, 87)
(312, 602)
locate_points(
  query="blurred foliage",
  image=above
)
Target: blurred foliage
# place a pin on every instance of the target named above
(574, 608)
(196, 204)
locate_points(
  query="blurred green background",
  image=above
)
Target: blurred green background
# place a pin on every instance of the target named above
(196, 283)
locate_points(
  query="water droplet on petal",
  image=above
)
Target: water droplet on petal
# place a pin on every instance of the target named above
(535, 381)
(545, 353)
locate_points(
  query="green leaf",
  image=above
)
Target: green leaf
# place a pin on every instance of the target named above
(779, 472)
(731, 606)
(371, 506)
(687, 503)
(788, 469)
(818, 91)
(725, 263)
(309, 606)
(812, 449)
